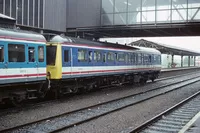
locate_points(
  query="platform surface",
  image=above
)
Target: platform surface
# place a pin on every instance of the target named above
(178, 68)
(193, 125)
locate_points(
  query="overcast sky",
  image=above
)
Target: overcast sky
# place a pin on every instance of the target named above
(192, 43)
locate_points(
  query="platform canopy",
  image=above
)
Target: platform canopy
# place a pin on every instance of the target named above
(165, 49)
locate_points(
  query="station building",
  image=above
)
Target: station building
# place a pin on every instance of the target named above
(84, 16)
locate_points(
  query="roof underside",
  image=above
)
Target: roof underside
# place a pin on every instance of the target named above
(165, 49)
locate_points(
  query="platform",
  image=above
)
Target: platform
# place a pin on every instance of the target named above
(193, 126)
(178, 69)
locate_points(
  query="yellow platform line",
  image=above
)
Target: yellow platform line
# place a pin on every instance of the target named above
(189, 124)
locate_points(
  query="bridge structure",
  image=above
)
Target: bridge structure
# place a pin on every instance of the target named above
(134, 18)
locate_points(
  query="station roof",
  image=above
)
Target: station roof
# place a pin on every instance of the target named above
(165, 49)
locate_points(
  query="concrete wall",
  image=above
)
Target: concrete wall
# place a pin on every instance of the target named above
(55, 15)
(83, 13)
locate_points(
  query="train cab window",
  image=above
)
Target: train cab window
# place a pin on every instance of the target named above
(51, 55)
(31, 54)
(16, 53)
(82, 55)
(66, 55)
(90, 56)
(1, 53)
(41, 53)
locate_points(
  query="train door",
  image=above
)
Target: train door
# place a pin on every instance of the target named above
(3, 63)
(67, 61)
(41, 62)
(32, 62)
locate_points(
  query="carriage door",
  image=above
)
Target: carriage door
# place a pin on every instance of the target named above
(41, 62)
(3, 63)
(32, 62)
(67, 61)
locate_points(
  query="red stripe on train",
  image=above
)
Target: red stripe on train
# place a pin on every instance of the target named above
(24, 75)
(103, 71)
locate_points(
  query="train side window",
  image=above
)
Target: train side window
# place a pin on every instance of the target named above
(104, 57)
(121, 57)
(41, 53)
(130, 58)
(82, 55)
(66, 55)
(90, 56)
(31, 54)
(139, 58)
(1, 53)
(149, 58)
(16, 53)
(97, 56)
(111, 56)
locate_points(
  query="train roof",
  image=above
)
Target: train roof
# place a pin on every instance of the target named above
(65, 39)
(21, 35)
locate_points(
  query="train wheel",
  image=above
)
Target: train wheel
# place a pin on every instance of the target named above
(143, 81)
(16, 101)
(153, 79)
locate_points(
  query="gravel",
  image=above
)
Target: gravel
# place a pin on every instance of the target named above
(131, 117)
(22, 116)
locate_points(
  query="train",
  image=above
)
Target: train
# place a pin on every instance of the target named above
(34, 65)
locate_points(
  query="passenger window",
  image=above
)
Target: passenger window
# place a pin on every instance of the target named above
(129, 58)
(139, 58)
(121, 57)
(66, 55)
(16, 53)
(1, 53)
(31, 54)
(97, 56)
(41, 53)
(82, 55)
(110, 56)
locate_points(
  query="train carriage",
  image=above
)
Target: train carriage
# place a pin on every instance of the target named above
(74, 64)
(22, 65)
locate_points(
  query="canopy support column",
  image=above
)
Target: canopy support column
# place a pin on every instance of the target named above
(181, 60)
(188, 61)
(172, 61)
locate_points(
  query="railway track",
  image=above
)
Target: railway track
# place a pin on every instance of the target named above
(33, 104)
(66, 120)
(176, 119)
